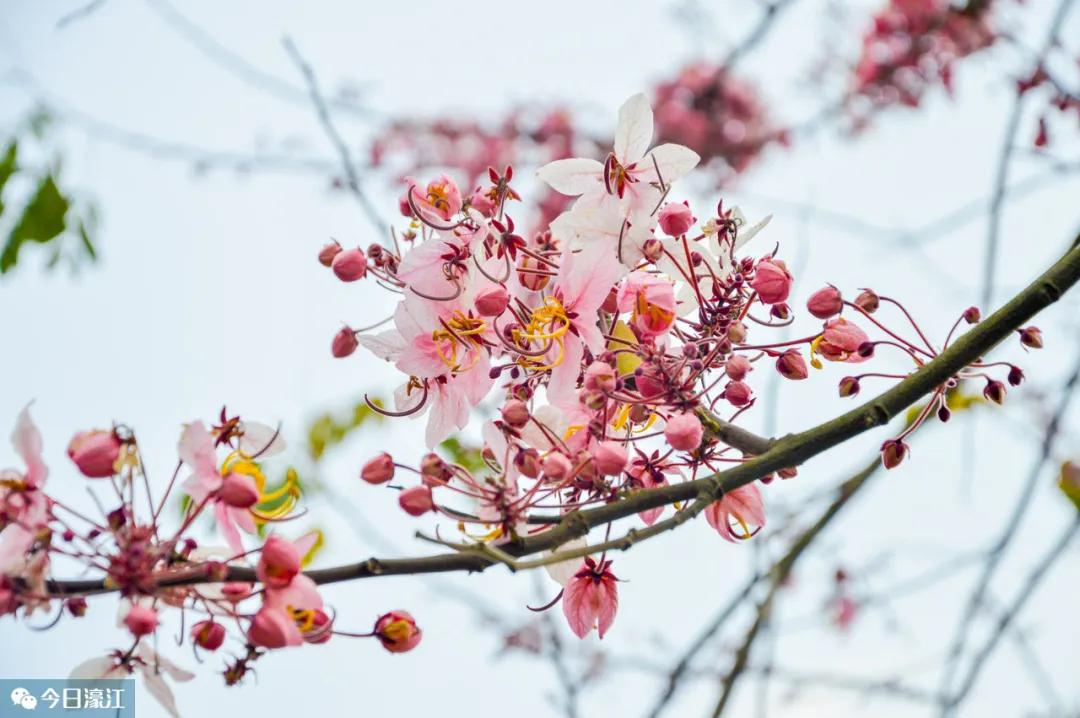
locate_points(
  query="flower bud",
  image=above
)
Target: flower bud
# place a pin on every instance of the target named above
(433, 470)
(825, 303)
(416, 500)
(397, 631)
(849, 386)
(527, 462)
(943, 414)
(865, 350)
(737, 333)
(791, 365)
(556, 466)
(95, 453)
(772, 282)
(788, 472)
(491, 301)
(867, 301)
(350, 265)
(279, 562)
(994, 391)
(76, 606)
(215, 571)
(515, 413)
(737, 393)
(209, 635)
(378, 470)
(683, 432)
(236, 591)
(972, 315)
(328, 252)
(737, 367)
(141, 620)
(344, 343)
(1031, 337)
(600, 376)
(893, 452)
(676, 219)
(1016, 375)
(610, 458)
(652, 250)
(239, 490)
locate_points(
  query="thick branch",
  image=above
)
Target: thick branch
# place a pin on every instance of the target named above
(788, 451)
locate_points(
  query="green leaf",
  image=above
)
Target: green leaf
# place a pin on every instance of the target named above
(326, 431)
(462, 455)
(7, 168)
(1069, 482)
(42, 220)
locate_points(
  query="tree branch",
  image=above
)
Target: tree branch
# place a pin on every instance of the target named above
(788, 451)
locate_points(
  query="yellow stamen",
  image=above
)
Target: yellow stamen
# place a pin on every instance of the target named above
(548, 323)
(461, 332)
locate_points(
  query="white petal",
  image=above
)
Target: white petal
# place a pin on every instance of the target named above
(386, 345)
(260, 440)
(634, 132)
(563, 571)
(153, 658)
(94, 668)
(574, 176)
(674, 162)
(160, 690)
(745, 235)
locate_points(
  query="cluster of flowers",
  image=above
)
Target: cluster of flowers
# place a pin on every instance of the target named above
(609, 339)
(1058, 100)
(912, 45)
(129, 549)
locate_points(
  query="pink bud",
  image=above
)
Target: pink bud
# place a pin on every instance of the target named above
(328, 252)
(239, 490)
(676, 219)
(378, 470)
(350, 265)
(737, 332)
(278, 563)
(273, 628)
(515, 413)
(972, 315)
(1031, 337)
(791, 365)
(737, 393)
(344, 343)
(556, 466)
(527, 462)
(849, 386)
(209, 635)
(868, 301)
(600, 376)
(397, 631)
(95, 453)
(737, 367)
(1016, 375)
(141, 620)
(771, 281)
(994, 391)
(893, 452)
(433, 470)
(610, 458)
(416, 500)
(76, 606)
(482, 203)
(492, 301)
(236, 591)
(825, 303)
(683, 432)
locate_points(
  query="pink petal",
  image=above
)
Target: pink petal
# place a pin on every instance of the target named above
(28, 444)
(633, 135)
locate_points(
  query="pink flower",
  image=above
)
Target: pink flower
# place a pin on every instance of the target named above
(771, 281)
(279, 562)
(591, 599)
(840, 341)
(652, 301)
(153, 667)
(683, 432)
(95, 453)
(676, 219)
(744, 505)
(416, 500)
(397, 631)
(274, 628)
(629, 176)
(24, 502)
(439, 202)
(209, 635)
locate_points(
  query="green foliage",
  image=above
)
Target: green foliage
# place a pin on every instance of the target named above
(327, 431)
(463, 455)
(51, 214)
